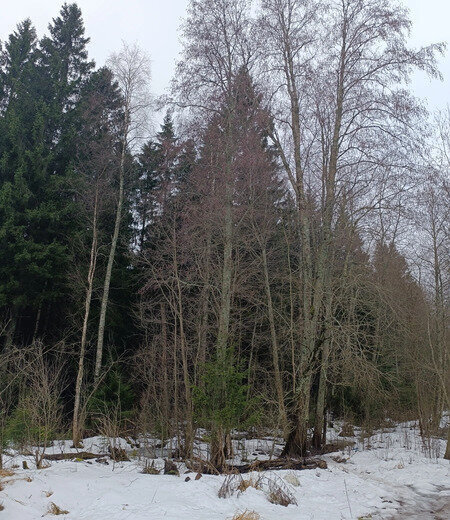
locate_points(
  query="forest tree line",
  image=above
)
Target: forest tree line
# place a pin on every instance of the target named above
(274, 257)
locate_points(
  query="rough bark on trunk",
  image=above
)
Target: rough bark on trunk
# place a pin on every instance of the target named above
(217, 457)
(317, 440)
(297, 441)
(319, 420)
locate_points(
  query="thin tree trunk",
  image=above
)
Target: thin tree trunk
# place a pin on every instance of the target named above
(37, 322)
(10, 330)
(76, 426)
(291, 321)
(297, 438)
(227, 273)
(218, 434)
(188, 437)
(222, 342)
(175, 377)
(275, 347)
(107, 282)
(165, 375)
(203, 325)
(318, 439)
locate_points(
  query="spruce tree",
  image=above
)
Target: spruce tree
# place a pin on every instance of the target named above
(40, 87)
(30, 255)
(64, 67)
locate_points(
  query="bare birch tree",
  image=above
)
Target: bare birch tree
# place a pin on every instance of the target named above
(131, 69)
(97, 162)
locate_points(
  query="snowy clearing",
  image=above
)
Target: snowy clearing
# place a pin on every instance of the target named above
(389, 475)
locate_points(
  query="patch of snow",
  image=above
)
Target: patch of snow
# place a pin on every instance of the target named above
(387, 475)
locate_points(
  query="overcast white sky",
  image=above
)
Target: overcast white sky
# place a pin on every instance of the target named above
(154, 24)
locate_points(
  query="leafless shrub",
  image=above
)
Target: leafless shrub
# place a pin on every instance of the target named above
(109, 424)
(37, 417)
(279, 493)
(229, 485)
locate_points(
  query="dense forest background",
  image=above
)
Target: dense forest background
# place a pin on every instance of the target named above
(274, 257)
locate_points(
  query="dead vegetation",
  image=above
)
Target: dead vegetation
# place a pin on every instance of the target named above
(282, 463)
(347, 430)
(246, 515)
(118, 454)
(279, 493)
(229, 486)
(150, 469)
(81, 455)
(339, 459)
(53, 509)
(198, 465)
(170, 468)
(275, 489)
(337, 445)
(4, 473)
(249, 482)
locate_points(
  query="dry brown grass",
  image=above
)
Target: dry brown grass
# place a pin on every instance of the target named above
(53, 509)
(149, 469)
(235, 483)
(5, 473)
(279, 494)
(246, 515)
(246, 483)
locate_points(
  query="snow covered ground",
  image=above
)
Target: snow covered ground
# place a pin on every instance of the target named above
(388, 475)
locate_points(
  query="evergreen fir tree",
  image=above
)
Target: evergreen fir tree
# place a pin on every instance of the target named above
(64, 67)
